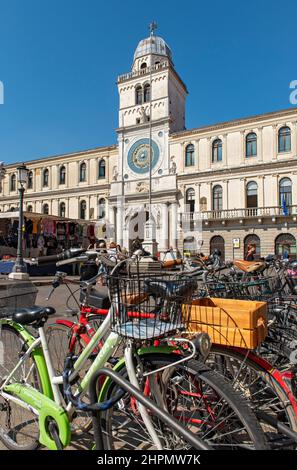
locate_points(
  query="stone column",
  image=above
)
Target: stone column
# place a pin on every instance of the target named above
(225, 149)
(208, 153)
(173, 229)
(242, 142)
(164, 228)
(275, 142)
(260, 144)
(182, 152)
(242, 196)
(225, 195)
(261, 191)
(119, 225)
(294, 138)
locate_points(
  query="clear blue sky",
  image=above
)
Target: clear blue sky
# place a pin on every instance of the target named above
(59, 60)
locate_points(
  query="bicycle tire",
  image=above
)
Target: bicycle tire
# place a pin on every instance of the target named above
(81, 422)
(235, 404)
(11, 435)
(264, 384)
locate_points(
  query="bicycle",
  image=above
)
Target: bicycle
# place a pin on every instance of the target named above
(54, 412)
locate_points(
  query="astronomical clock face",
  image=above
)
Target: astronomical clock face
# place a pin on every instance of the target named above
(139, 156)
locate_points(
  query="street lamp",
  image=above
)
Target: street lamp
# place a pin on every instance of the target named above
(20, 269)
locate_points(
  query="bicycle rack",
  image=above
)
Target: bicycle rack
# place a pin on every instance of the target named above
(190, 437)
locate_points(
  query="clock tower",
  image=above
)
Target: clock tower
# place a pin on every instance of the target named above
(151, 106)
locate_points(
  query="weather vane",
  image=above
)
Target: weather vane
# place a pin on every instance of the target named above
(152, 27)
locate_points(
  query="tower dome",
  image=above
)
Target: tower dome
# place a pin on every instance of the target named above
(153, 45)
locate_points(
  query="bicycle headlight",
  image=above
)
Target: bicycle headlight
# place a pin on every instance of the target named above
(203, 344)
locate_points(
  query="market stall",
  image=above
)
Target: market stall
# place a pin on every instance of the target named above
(42, 235)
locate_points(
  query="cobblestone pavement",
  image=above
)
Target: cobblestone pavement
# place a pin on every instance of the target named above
(57, 301)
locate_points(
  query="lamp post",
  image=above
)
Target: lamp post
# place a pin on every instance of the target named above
(20, 270)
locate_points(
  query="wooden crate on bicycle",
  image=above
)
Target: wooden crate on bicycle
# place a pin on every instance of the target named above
(240, 323)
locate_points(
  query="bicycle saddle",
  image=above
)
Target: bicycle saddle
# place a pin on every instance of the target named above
(29, 315)
(170, 289)
(171, 263)
(249, 266)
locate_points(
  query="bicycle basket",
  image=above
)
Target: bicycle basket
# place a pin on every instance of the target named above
(147, 306)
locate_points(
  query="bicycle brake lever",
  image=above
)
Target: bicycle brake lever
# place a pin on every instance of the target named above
(50, 293)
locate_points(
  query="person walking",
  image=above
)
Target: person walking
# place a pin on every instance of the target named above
(251, 251)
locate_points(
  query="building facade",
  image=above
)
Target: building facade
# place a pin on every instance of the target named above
(227, 184)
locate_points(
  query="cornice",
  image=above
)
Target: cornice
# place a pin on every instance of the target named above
(240, 169)
(236, 122)
(70, 192)
(67, 156)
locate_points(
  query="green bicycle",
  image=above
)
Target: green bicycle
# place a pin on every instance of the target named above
(34, 409)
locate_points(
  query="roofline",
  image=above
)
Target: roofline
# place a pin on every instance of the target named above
(210, 127)
(238, 121)
(64, 155)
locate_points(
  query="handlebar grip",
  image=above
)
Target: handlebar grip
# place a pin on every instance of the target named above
(49, 259)
(67, 254)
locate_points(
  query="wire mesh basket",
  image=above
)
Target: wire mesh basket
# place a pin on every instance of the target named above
(147, 306)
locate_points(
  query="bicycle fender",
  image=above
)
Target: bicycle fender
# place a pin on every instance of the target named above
(67, 323)
(37, 354)
(46, 408)
(121, 363)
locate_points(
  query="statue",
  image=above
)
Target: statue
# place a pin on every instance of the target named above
(143, 116)
(172, 169)
(115, 173)
(141, 187)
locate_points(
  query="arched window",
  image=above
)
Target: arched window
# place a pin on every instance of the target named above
(284, 139)
(251, 145)
(251, 194)
(101, 169)
(45, 179)
(62, 209)
(190, 155)
(217, 243)
(30, 180)
(45, 209)
(82, 210)
(13, 182)
(217, 151)
(138, 94)
(285, 246)
(82, 172)
(252, 240)
(12, 209)
(217, 198)
(190, 200)
(101, 208)
(29, 208)
(143, 65)
(146, 93)
(285, 194)
(62, 175)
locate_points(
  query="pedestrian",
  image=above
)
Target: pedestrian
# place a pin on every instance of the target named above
(251, 251)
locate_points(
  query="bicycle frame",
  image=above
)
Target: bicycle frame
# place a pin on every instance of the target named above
(50, 402)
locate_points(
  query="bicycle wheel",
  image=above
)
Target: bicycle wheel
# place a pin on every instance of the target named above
(58, 337)
(19, 428)
(260, 386)
(198, 397)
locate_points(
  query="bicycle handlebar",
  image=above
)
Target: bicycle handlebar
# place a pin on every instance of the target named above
(67, 254)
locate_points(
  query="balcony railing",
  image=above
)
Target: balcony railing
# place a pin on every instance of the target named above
(246, 213)
(141, 72)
